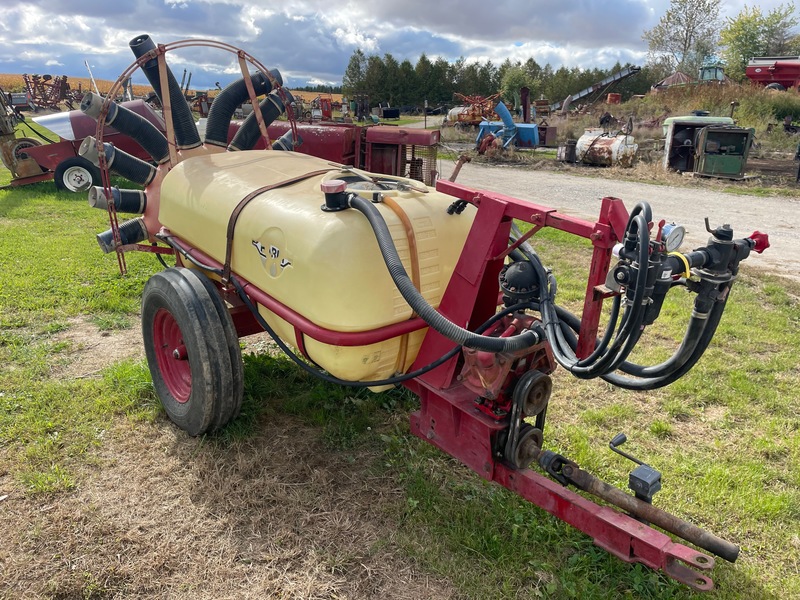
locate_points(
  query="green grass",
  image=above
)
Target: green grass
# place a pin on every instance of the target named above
(53, 272)
(726, 437)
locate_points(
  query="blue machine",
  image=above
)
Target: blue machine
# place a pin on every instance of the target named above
(522, 135)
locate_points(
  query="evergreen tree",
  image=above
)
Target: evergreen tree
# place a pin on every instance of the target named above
(353, 80)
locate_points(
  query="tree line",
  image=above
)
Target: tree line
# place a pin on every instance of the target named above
(689, 35)
(384, 79)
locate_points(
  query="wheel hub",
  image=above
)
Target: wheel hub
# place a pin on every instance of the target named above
(172, 356)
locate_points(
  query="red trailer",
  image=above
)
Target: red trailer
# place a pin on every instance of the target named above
(780, 72)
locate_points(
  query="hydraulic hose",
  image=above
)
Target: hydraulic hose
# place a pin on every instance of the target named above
(224, 105)
(271, 108)
(430, 315)
(131, 124)
(656, 382)
(186, 135)
(629, 329)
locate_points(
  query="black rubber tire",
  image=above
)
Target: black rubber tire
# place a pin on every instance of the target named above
(180, 314)
(76, 174)
(233, 400)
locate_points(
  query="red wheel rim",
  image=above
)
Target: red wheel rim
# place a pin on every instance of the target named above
(171, 356)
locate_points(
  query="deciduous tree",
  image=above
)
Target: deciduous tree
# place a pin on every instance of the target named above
(752, 33)
(353, 79)
(685, 35)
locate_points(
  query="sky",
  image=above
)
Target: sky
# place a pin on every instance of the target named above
(311, 41)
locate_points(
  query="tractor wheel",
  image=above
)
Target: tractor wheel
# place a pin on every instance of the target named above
(76, 174)
(189, 351)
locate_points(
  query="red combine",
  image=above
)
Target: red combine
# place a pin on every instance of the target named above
(372, 280)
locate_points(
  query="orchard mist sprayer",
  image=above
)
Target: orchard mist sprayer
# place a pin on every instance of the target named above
(372, 280)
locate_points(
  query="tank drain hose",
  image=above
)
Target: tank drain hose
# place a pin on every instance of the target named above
(417, 302)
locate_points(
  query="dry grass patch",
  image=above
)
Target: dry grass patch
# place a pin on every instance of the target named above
(163, 516)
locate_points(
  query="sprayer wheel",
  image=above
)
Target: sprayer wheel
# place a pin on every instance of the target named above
(232, 402)
(188, 351)
(76, 174)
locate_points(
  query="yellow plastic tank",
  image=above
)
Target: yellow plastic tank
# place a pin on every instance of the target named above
(326, 266)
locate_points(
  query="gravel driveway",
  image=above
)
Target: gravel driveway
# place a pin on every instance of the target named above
(581, 196)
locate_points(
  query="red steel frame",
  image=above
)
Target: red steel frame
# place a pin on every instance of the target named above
(447, 417)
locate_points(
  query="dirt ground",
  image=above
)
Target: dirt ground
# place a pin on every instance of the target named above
(277, 516)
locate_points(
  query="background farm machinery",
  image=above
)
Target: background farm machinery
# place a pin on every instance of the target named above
(15, 150)
(374, 279)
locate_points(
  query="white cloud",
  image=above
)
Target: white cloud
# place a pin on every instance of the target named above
(314, 39)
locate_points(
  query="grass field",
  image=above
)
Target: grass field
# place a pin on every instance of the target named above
(321, 492)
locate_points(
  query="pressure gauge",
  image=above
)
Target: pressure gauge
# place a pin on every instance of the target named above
(672, 236)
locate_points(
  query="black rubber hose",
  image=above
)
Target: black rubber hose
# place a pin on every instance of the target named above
(653, 383)
(271, 108)
(226, 102)
(131, 124)
(126, 201)
(418, 303)
(699, 333)
(132, 168)
(186, 135)
(130, 232)
(118, 161)
(286, 142)
(566, 329)
(630, 328)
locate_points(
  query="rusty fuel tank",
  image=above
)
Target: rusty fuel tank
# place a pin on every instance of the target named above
(598, 147)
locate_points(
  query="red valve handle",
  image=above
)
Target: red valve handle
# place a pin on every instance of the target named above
(760, 241)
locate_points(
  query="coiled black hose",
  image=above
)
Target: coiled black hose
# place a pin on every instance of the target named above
(559, 323)
(678, 370)
(430, 315)
(186, 135)
(610, 355)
